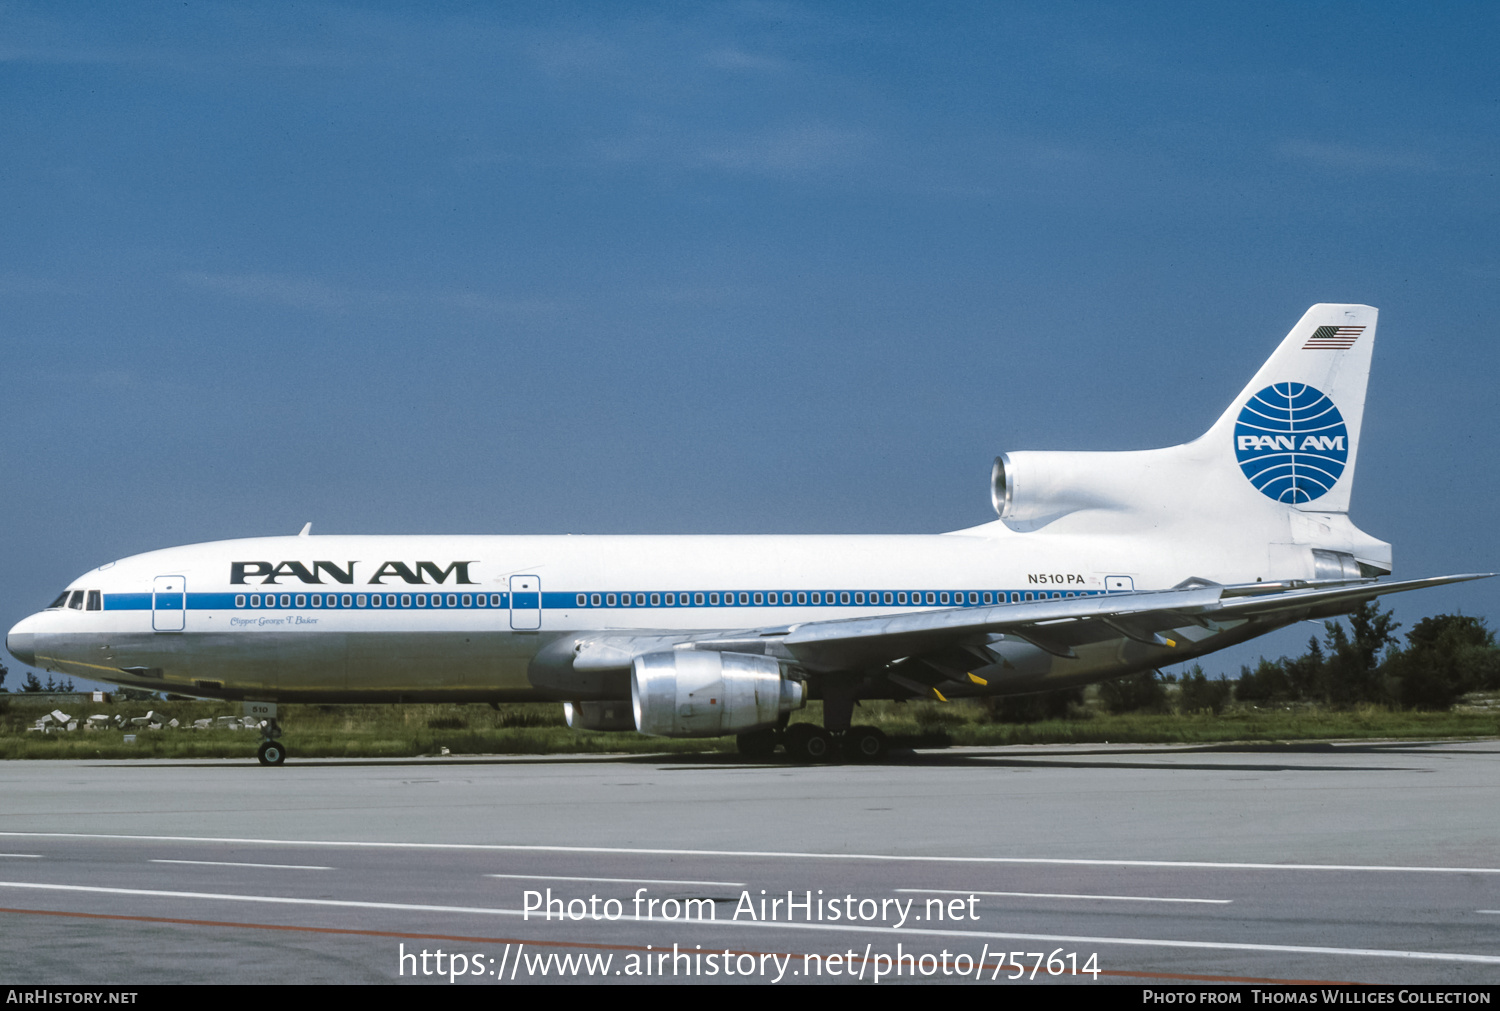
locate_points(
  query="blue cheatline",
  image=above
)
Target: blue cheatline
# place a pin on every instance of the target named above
(568, 600)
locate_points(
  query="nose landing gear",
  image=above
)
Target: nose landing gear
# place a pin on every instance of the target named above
(272, 751)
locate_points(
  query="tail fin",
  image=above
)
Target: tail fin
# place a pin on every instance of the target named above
(1294, 430)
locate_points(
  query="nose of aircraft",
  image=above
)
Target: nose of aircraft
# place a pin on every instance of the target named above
(20, 641)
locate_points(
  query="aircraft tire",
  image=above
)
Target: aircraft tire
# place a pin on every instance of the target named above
(272, 753)
(807, 742)
(756, 743)
(865, 744)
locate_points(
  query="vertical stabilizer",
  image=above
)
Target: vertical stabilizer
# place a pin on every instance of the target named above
(1294, 430)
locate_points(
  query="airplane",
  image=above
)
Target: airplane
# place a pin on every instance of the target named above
(1098, 565)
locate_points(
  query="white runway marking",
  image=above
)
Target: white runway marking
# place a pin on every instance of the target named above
(1139, 942)
(232, 863)
(756, 854)
(23, 856)
(1061, 895)
(619, 881)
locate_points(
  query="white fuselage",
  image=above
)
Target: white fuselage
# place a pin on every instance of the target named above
(461, 617)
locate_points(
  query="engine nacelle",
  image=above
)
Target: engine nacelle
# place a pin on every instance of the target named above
(1031, 489)
(701, 693)
(599, 715)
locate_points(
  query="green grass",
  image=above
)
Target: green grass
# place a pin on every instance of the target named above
(965, 723)
(370, 731)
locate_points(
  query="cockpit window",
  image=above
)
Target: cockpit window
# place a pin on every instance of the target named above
(76, 601)
(61, 601)
(96, 603)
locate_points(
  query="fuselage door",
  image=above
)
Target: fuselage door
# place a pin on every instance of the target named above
(169, 603)
(525, 602)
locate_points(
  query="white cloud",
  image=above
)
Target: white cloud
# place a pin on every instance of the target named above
(306, 293)
(1360, 159)
(733, 59)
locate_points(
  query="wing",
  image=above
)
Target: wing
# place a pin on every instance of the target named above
(1160, 618)
(1058, 626)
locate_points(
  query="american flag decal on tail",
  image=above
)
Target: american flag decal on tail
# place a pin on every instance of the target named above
(1333, 338)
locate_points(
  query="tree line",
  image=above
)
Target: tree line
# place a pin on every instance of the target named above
(35, 684)
(1444, 658)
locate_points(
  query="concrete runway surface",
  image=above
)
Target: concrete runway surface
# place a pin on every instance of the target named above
(1374, 862)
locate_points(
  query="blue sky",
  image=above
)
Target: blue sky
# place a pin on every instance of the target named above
(742, 267)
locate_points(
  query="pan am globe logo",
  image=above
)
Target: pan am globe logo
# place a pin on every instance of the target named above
(1291, 442)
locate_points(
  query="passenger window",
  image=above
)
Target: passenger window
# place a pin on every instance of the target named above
(359, 601)
(239, 600)
(467, 600)
(713, 598)
(609, 598)
(452, 600)
(759, 598)
(405, 600)
(583, 600)
(655, 600)
(844, 597)
(301, 600)
(640, 600)
(254, 600)
(698, 599)
(595, 600)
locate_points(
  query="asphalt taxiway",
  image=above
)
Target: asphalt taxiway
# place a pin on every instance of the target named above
(1364, 862)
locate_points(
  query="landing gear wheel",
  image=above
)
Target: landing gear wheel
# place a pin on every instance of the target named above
(272, 753)
(806, 742)
(757, 743)
(865, 744)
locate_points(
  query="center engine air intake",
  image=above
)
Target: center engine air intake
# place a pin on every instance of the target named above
(1031, 489)
(701, 693)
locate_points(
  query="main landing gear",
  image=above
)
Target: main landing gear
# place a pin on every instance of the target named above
(272, 751)
(837, 738)
(810, 743)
